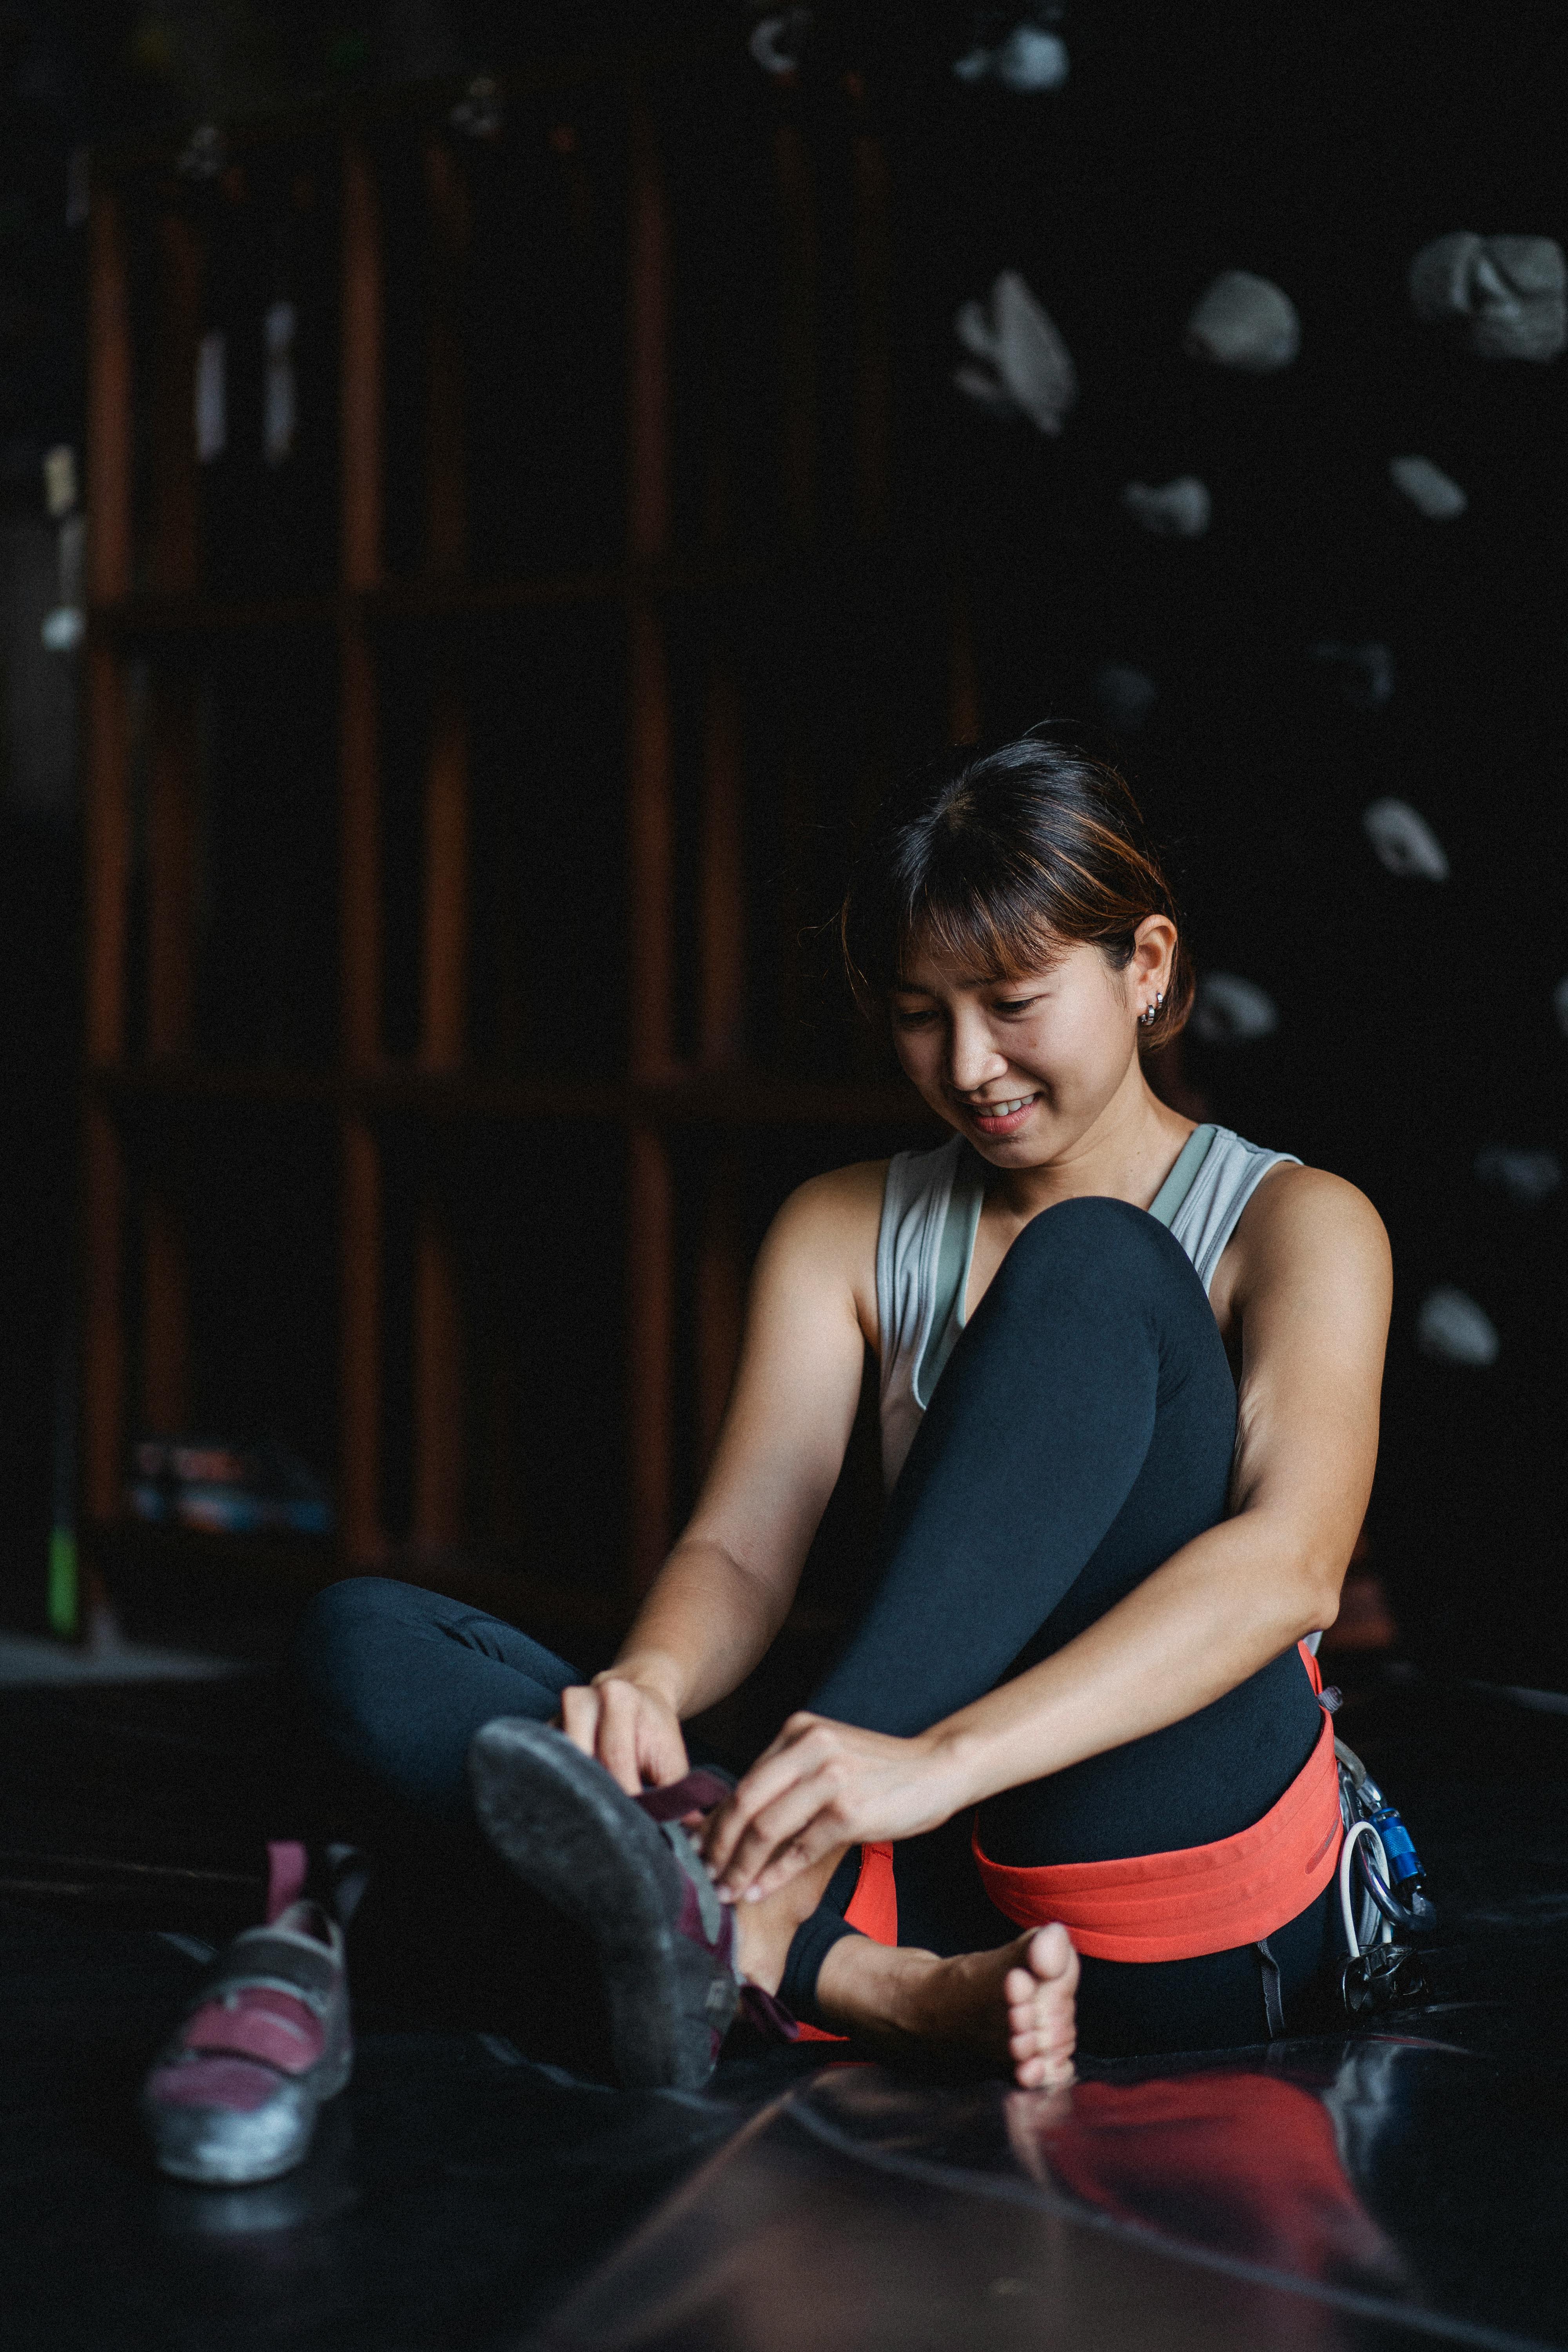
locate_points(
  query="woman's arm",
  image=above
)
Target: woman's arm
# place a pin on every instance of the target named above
(726, 1587)
(1313, 1293)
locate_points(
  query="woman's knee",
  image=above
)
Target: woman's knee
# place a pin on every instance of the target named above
(338, 1637)
(1096, 1246)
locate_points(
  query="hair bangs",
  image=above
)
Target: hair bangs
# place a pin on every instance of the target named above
(985, 933)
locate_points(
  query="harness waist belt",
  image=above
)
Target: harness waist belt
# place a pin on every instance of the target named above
(1199, 1898)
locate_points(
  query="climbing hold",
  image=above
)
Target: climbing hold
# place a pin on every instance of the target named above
(1525, 1176)
(1364, 674)
(1243, 321)
(1428, 488)
(278, 404)
(1123, 696)
(1512, 290)
(1028, 59)
(1452, 1330)
(1405, 842)
(776, 42)
(1229, 1011)
(1027, 369)
(1560, 1005)
(1181, 510)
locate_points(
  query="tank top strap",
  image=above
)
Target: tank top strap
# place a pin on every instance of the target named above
(1184, 1175)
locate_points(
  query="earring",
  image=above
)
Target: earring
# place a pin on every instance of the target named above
(1148, 1013)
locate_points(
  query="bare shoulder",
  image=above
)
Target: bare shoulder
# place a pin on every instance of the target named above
(1309, 1204)
(1305, 1225)
(843, 1198)
(825, 1235)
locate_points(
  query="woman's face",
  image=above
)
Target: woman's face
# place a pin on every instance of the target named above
(1024, 1068)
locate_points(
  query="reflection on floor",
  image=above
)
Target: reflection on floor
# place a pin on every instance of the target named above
(1361, 2192)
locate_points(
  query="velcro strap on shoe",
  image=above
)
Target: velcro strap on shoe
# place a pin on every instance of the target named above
(698, 1792)
(234, 2085)
(294, 1964)
(287, 1867)
(259, 2022)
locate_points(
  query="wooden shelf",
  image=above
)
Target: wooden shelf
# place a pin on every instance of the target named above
(128, 620)
(653, 798)
(143, 616)
(735, 1098)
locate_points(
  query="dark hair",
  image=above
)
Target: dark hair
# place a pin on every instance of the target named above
(997, 857)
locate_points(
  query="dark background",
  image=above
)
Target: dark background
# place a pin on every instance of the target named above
(1318, 148)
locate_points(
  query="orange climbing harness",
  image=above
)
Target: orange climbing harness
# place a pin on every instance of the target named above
(1199, 1898)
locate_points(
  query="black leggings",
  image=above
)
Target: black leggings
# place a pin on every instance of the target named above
(1080, 1433)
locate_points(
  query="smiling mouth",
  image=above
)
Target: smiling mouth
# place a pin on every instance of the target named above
(998, 1118)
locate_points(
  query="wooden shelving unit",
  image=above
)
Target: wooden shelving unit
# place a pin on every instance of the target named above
(582, 806)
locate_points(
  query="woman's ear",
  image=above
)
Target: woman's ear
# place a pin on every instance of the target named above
(1153, 952)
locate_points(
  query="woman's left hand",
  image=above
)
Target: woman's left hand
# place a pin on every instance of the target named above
(820, 1786)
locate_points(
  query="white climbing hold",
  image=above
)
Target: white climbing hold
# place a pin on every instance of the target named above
(776, 41)
(1512, 291)
(1405, 842)
(1124, 695)
(1453, 1330)
(1027, 369)
(1028, 59)
(1364, 673)
(1428, 488)
(1181, 510)
(1526, 1177)
(1229, 1011)
(1560, 1005)
(1243, 321)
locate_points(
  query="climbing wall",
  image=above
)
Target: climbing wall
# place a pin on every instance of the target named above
(1244, 398)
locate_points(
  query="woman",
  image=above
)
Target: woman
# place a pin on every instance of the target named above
(1098, 1557)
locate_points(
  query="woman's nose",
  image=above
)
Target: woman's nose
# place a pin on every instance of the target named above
(973, 1059)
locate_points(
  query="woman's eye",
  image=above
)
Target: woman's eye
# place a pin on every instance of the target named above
(1015, 1004)
(913, 1020)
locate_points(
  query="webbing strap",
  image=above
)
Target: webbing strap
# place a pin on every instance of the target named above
(1273, 2000)
(873, 1909)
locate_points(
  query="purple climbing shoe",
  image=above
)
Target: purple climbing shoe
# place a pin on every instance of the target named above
(234, 2095)
(627, 1870)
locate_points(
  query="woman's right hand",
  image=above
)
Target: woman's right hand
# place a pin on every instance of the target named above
(629, 1727)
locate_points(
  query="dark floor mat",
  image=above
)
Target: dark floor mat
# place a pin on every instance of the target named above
(455, 2190)
(1317, 2194)
(462, 2192)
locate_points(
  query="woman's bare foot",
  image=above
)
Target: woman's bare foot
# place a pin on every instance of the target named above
(1019, 2003)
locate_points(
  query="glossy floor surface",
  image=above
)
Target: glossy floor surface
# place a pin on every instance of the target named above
(1395, 2186)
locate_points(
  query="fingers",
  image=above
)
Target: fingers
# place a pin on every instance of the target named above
(660, 1750)
(800, 1826)
(794, 1755)
(580, 1718)
(633, 1739)
(620, 1706)
(822, 1836)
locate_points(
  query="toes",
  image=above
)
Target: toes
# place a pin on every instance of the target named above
(1042, 2046)
(1051, 1958)
(1043, 2074)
